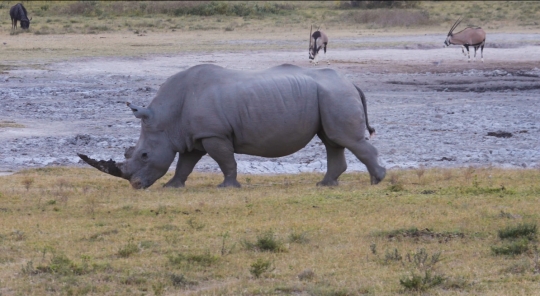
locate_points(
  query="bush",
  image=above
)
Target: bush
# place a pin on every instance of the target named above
(266, 243)
(419, 283)
(522, 230)
(259, 267)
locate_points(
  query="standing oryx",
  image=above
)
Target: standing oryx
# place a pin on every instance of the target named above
(317, 40)
(470, 36)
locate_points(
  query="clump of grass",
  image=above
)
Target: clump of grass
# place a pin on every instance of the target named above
(259, 267)
(420, 259)
(420, 171)
(9, 123)
(420, 283)
(524, 230)
(298, 238)
(194, 224)
(395, 183)
(129, 249)
(179, 280)
(306, 275)
(266, 242)
(392, 256)
(512, 248)
(205, 259)
(517, 239)
(60, 264)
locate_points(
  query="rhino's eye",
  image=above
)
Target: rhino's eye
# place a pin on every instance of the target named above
(145, 155)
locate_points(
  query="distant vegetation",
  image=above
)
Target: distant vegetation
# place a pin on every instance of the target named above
(87, 17)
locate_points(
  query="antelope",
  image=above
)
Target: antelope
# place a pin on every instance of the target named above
(470, 36)
(317, 40)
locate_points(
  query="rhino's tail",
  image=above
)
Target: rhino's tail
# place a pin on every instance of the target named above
(363, 97)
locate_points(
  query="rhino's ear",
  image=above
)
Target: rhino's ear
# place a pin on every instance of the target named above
(139, 112)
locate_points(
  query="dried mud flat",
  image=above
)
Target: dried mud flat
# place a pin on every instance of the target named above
(429, 106)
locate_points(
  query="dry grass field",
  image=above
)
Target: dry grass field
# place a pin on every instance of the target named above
(72, 231)
(79, 232)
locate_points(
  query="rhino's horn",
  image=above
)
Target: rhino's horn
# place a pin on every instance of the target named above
(110, 167)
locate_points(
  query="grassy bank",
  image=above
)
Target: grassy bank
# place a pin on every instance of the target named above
(441, 231)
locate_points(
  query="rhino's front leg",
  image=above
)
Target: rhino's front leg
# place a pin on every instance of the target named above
(186, 163)
(222, 151)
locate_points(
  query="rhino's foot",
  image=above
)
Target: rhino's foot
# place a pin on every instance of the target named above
(328, 183)
(378, 176)
(231, 183)
(174, 183)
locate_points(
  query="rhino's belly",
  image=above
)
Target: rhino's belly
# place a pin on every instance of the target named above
(274, 147)
(274, 140)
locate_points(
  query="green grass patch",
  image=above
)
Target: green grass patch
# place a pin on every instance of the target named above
(525, 230)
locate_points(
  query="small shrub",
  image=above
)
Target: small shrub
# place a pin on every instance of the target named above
(128, 250)
(194, 224)
(259, 267)
(420, 259)
(179, 280)
(392, 256)
(27, 182)
(419, 283)
(520, 231)
(299, 238)
(62, 265)
(420, 171)
(396, 188)
(266, 243)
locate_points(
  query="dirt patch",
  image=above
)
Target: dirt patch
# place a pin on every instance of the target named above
(423, 235)
(430, 107)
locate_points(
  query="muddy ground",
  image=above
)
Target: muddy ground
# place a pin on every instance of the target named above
(430, 107)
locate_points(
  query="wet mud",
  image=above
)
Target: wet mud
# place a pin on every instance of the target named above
(430, 107)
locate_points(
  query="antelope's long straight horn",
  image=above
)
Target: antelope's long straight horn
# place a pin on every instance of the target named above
(110, 167)
(311, 29)
(455, 25)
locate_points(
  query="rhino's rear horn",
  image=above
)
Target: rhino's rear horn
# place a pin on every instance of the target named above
(110, 167)
(129, 152)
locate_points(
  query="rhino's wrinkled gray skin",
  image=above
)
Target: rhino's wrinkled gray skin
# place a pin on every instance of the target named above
(270, 113)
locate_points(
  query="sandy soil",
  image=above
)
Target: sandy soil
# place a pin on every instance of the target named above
(429, 106)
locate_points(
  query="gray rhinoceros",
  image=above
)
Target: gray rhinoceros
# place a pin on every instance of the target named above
(269, 113)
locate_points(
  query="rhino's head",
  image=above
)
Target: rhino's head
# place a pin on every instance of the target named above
(146, 162)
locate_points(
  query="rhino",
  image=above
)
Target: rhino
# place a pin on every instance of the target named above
(269, 113)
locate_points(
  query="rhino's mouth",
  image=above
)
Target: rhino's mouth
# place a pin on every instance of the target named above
(110, 166)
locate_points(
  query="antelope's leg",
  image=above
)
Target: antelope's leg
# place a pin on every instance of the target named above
(482, 52)
(468, 53)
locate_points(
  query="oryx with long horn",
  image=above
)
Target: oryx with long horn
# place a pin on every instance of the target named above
(470, 36)
(317, 40)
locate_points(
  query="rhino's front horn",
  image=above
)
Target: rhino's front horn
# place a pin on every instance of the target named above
(110, 167)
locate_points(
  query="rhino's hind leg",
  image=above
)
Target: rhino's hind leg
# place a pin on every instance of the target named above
(367, 154)
(186, 163)
(222, 151)
(336, 163)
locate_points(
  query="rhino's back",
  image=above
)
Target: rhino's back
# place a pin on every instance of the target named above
(269, 113)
